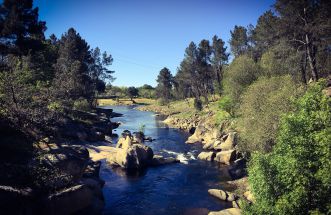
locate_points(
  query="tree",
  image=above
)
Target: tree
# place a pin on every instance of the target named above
(295, 177)
(281, 59)
(261, 107)
(219, 59)
(21, 30)
(266, 32)
(306, 24)
(242, 72)
(195, 74)
(164, 86)
(239, 41)
(132, 92)
(147, 91)
(72, 78)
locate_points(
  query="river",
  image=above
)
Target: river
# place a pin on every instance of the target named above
(173, 189)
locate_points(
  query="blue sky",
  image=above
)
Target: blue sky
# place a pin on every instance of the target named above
(144, 36)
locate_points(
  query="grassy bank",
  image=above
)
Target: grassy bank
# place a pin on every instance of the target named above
(184, 109)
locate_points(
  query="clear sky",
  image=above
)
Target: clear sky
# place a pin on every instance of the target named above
(144, 36)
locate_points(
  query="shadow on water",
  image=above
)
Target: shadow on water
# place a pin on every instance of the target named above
(171, 189)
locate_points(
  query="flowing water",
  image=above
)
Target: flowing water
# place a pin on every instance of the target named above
(179, 188)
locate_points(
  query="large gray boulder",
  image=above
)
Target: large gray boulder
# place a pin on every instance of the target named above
(229, 143)
(70, 159)
(208, 156)
(159, 160)
(223, 195)
(136, 156)
(69, 200)
(226, 157)
(230, 211)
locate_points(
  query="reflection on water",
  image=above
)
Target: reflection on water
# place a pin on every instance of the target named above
(171, 189)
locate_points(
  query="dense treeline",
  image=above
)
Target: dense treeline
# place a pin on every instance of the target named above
(293, 39)
(43, 79)
(273, 93)
(145, 91)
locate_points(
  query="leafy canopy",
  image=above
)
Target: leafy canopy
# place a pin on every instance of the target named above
(295, 178)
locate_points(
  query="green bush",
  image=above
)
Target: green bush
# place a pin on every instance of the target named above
(240, 74)
(82, 105)
(262, 106)
(226, 104)
(281, 59)
(295, 178)
(56, 107)
(198, 104)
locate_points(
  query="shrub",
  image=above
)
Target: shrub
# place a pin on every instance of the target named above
(281, 59)
(82, 105)
(241, 73)
(262, 106)
(295, 178)
(55, 106)
(226, 104)
(197, 104)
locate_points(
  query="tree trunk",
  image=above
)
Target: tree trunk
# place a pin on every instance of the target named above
(311, 59)
(304, 68)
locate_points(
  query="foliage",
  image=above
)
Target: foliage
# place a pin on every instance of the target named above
(132, 92)
(295, 178)
(240, 74)
(226, 104)
(82, 105)
(164, 86)
(281, 59)
(198, 104)
(306, 24)
(239, 40)
(40, 79)
(142, 128)
(218, 60)
(262, 106)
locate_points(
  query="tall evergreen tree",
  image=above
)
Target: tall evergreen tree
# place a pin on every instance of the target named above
(219, 59)
(307, 24)
(165, 83)
(239, 40)
(72, 79)
(266, 32)
(20, 29)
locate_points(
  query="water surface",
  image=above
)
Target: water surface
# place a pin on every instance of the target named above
(171, 189)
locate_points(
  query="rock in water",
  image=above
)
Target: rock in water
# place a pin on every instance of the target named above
(230, 211)
(223, 195)
(136, 156)
(208, 156)
(160, 160)
(226, 157)
(229, 143)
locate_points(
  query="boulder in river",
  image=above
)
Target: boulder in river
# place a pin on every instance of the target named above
(159, 160)
(229, 211)
(136, 156)
(226, 157)
(229, 143)
(208, 156)
(223, 195)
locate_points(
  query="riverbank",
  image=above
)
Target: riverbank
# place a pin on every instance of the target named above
(58, 170)
(213, 128)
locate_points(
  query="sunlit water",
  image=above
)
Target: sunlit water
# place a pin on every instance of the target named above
(179, 188)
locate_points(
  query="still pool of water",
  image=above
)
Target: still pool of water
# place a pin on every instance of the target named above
(173, 189)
